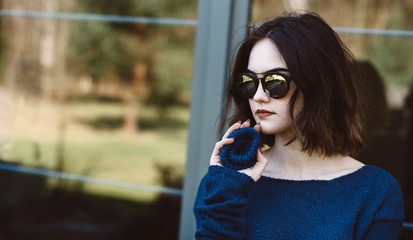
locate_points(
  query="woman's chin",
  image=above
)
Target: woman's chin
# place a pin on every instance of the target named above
(276, 130)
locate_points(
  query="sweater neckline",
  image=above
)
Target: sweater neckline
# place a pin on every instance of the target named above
(345, 176)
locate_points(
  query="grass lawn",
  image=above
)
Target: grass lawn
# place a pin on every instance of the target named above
(89, 138)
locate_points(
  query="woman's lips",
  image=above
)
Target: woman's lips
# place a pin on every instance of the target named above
(262, 113)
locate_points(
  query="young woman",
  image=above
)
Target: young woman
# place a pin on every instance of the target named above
(295, 82)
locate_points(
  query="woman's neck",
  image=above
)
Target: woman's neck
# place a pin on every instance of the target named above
(289, 162)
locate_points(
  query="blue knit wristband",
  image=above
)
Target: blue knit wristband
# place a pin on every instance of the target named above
(242, 153)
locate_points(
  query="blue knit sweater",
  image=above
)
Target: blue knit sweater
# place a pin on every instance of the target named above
(365, 204)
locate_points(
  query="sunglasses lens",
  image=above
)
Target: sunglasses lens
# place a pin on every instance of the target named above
(246, 86)
(276, 85)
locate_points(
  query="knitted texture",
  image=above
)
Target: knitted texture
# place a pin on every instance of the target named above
(242, 153)
(364, 205)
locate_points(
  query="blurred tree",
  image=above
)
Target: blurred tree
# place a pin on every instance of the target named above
(390, 54)
(35, 63)
(129, 59)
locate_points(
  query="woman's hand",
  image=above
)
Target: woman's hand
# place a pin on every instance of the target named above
(254, 172)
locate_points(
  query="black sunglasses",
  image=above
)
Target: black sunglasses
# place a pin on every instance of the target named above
(274, 81)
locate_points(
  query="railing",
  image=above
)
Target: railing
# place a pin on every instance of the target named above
(371, 31)
(98, 17)
(88, 179)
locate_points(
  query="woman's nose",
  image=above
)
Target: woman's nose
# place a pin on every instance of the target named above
(261, 95)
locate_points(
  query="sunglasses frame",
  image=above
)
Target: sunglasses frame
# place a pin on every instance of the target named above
(256, 79)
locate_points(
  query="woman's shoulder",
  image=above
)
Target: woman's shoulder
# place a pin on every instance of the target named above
(376, 173)
(372, 179)
(352, 167)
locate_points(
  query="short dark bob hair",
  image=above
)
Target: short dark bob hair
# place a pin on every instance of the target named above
(327, 78)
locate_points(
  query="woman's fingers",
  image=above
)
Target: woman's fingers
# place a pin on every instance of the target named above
(256, 171)
(215, 158)
(221, 144)
(257, 127)
(247, 123)
(233, 127)
(262, 162)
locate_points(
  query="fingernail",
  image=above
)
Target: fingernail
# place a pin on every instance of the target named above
(239, 121)
(247, 120)
(260, 150)
(258, 123)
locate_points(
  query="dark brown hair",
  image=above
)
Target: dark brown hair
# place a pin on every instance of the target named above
(325, 73)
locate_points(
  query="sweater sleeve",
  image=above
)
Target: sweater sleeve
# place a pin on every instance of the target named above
(220, 203)
(388, 219)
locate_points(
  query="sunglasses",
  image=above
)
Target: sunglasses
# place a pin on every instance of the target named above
(274, 82)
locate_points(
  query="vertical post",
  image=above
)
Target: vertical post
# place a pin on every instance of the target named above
(221, 26)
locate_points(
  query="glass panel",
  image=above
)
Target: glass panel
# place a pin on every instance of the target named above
(101, 94)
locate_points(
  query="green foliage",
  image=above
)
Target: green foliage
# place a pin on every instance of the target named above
(389, 52)
(152, 8)
(108, 51)
(392, 60)
(173, 74)
(100, 50)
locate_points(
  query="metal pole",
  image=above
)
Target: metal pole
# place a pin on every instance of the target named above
(221, 26)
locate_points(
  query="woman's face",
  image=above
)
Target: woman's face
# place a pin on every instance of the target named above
(271, 113)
